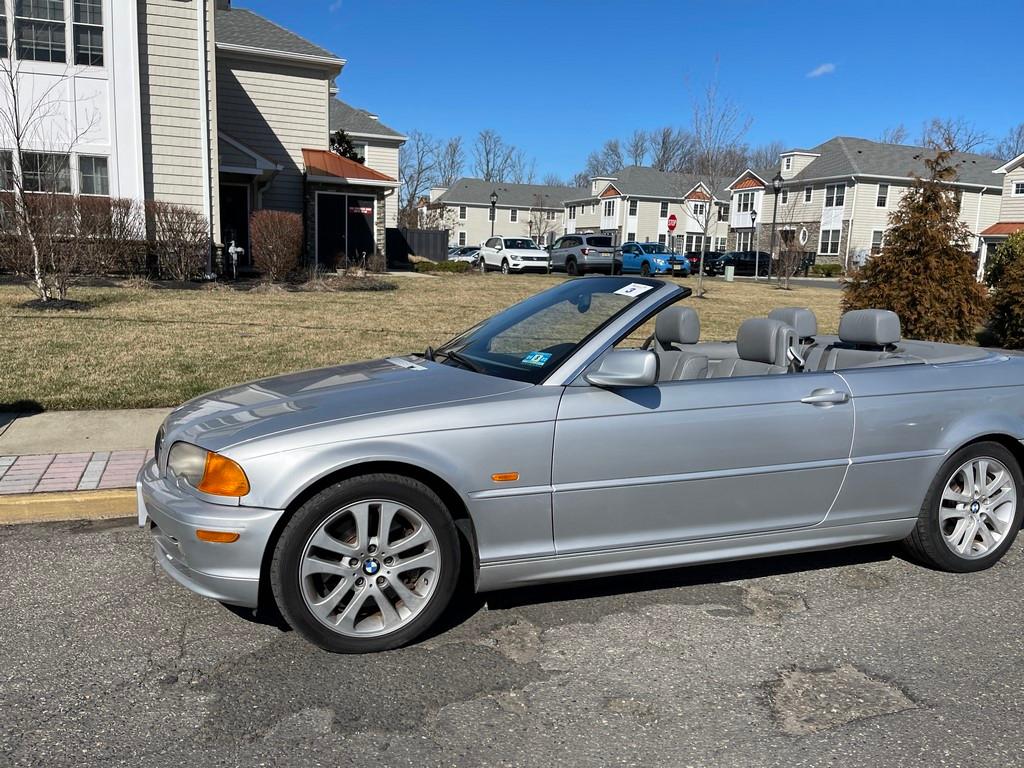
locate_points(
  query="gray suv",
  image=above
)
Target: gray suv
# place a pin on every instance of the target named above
(579, 254)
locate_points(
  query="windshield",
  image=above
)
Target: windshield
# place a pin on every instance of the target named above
(530, 339)
(522, 243)
(655, 248)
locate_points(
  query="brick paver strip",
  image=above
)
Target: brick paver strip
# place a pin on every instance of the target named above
(70, 471)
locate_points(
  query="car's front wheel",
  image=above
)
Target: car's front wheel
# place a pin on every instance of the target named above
(645, 269)
(971, 514)
(505, 268)
(367, 564)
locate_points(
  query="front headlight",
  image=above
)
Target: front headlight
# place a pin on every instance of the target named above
(207, 471)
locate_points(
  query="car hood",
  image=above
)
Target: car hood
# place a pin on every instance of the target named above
(228, 417)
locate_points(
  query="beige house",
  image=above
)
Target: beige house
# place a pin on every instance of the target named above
(519, 210)
(638, 203)
(836, 199)
(1011, 210)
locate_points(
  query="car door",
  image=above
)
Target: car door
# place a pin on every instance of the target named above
(630, 262)
(557, 254)
(489, 251)
(691, 460)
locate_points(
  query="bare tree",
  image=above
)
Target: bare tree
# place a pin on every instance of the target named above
(671, 149)
(542, 222)
(493, 159)
(581, 180)
(34, 124)
(1012, 144)
(954, 134)
(718, 131)
(897, 134)
(765, 155)
(417, 165)
(637, 146)
(451, 158)
(554, 180)
(522, 170)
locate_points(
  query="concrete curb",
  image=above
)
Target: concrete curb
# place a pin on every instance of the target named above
(78, 505)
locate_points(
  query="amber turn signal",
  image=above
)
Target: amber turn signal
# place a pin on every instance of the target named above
(217, 537)
(505, 477)
(223, 477)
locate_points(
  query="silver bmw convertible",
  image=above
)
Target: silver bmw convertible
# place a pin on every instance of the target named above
(556, 440)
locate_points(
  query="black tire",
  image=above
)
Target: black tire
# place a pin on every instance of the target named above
(926, 544)
(285, 567)
(645, 269)
(505, 269)
(570, 268)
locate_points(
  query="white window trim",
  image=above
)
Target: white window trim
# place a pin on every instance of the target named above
(513, 215)
(1015, 186)
(784, 197)
(808, 194)
(787, 163)
(878, 194)
(835, 193)
(462, 213)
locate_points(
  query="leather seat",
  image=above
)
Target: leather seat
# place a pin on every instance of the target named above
(866, 336)
(763, 346)
(676, 326)
(801, 320)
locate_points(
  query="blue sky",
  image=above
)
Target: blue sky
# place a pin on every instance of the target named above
(557, 78)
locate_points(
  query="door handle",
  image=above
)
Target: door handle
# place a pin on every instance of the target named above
(825, 397)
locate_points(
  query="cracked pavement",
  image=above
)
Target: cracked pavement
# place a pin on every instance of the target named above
(843, 658)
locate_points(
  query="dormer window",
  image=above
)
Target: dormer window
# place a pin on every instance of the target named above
(787, 163)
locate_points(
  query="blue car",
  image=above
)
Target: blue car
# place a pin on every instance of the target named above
(653, 259)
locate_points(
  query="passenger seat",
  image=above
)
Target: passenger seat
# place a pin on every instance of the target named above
(805, 324)
(763, 345)
(865, 336)
(675, 326)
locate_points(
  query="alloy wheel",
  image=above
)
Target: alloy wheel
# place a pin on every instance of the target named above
(369, 568)
(504, 267)
(977, 507)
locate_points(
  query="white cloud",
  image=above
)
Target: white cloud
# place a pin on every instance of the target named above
(822, 69)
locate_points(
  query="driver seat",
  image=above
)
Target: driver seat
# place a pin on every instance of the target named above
(675, 326)
(763, 345)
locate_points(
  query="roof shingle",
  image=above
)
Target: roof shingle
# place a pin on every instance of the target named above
(478, 192)
(357, 121)
(240, 26)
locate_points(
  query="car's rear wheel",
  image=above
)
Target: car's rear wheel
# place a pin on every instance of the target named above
(366, 565)
(571, 269)
(505, 268)
(645, 269)
(971, 514)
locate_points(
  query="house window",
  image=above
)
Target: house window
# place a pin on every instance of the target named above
(549, 215)
(877, 241)
(609, 207)
(743, 240)
(723, 212)
(699, 209)
(661, 239)
(513, 214)
(359, 147)
(88, 34)
(784, 197)
(462, 213)
(883, 196)
(3, 29)
(572, 212)
(664, 210)
(808, 191)
(632, 207)
(630, 237)
(829, 241)
(745, 202)
(787, 164)
(1018, 188)
(719, 243)
(462, 238)
(835, 196)
(39, 30)
(92, 176)
(694, 243)
(6, 170)
(44, 172)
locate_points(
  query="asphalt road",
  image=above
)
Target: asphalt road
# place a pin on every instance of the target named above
(853, 659)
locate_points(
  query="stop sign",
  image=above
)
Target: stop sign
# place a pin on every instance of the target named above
(672, 223)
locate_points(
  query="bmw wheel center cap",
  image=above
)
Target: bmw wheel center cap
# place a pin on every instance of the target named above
(371, 566)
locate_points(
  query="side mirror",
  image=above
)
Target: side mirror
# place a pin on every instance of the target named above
(498, 247)
(625, 368)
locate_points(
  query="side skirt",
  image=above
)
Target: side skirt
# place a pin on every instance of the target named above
(515, 573)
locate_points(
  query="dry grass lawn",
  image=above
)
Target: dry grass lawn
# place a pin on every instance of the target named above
(137, 348)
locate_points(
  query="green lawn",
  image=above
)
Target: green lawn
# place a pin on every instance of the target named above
(136, 348)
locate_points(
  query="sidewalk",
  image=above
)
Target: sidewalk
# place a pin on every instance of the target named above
(63, 451)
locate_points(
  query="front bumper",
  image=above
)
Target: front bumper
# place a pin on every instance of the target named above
(522, 265)
(229, 573)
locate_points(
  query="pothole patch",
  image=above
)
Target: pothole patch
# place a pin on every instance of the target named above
(805, 701)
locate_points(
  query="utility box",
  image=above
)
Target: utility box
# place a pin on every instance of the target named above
(730, 273)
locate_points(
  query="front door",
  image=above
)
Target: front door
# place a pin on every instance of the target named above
(234, 219)
(361, 241)
(699, 459)
(330, 230)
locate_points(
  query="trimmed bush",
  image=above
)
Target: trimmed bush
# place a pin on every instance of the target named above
(180, 240)
(456, 267)
(276, 242)
(827, 270)
(925, 272)
(1007, 320)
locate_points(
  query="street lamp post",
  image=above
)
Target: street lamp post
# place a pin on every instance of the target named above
(494, 202)
(757, 251)
(777, 187)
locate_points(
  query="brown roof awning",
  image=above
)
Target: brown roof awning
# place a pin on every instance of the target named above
(328, 165)
(1004, 228)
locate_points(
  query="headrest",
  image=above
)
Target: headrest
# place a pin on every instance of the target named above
(799, 319)
(764, 340)
(876, 327)
(677, 325)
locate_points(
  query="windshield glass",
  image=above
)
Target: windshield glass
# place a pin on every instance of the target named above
(521, 242)
(655, 248)
(530, 339)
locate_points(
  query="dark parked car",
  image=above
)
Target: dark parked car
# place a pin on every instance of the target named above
(744, 263)
(694, 258)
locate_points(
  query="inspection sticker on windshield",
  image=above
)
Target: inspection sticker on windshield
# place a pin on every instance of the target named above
(634, 289)
(537, 359)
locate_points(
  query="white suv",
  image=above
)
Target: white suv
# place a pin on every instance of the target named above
(513, 254)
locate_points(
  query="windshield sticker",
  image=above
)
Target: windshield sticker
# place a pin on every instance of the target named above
(634, 289)
(537, 359)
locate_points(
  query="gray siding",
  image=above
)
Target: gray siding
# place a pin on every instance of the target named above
(276, 110)
(1012, 205)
